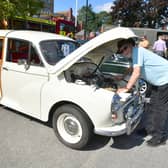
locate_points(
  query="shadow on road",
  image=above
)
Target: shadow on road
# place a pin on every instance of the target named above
(97, 142)
(125, 142)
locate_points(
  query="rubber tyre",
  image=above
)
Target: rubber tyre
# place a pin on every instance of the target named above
(72, 126)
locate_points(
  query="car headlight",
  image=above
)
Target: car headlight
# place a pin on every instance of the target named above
(115, 106)
(115, 103)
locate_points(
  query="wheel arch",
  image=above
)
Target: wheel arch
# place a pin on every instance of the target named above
(61, 103)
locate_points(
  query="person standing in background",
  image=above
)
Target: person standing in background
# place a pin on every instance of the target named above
(92, 35)
(144, 42)
(159, 47)
(166, 40)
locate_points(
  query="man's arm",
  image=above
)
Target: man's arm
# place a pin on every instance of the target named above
(134, 77)
(165, 49)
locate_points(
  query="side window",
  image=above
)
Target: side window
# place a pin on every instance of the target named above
(17, 49)
(22, 50)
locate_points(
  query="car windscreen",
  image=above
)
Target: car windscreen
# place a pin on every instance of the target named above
(55, 50)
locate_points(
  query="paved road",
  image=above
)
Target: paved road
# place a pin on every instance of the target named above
(28, 143)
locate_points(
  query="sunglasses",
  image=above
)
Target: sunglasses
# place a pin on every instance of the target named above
(123, 49)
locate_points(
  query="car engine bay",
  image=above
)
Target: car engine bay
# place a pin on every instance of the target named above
(88, 73)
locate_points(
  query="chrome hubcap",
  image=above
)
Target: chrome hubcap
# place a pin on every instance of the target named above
(69, 128)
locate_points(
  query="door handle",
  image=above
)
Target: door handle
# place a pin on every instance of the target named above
(5, 68)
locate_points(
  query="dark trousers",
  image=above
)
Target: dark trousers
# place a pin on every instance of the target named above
(161, 53)
(157, 111)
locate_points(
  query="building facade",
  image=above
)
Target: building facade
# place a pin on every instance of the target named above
(48, 7)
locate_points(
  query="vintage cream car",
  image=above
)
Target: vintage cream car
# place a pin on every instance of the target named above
(48, 77)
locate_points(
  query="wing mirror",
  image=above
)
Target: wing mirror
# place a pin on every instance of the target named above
(24, 62)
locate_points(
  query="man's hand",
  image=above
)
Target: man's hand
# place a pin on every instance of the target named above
(122, 90)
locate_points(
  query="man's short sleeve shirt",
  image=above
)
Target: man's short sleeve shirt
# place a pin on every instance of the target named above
(154, 68)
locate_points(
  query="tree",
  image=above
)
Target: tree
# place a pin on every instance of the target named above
(7, 10)
(127, 12)
(94, 20)
(87, 18)
(29, 7)
(157, 11)
(11, 8)
(140, 13)
(103, 18)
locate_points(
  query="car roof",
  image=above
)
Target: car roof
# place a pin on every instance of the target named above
(3, 33)
(30, 35)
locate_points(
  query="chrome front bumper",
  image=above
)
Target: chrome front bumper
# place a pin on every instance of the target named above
(124, 128)
(133, 122)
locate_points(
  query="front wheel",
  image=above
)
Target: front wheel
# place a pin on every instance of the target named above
(72, 126)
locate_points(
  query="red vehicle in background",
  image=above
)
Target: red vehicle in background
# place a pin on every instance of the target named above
(64, 27)
(59, 26)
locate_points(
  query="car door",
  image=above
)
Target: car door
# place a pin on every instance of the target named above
(23, 76)
(1, 56)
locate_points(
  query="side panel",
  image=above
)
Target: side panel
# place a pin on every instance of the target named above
(22, 89)
(95, 102)
(22, 82)
(1, 58)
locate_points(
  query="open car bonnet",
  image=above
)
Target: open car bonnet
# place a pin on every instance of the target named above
(103, 45)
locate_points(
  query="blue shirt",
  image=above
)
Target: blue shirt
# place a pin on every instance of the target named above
(154, 68)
